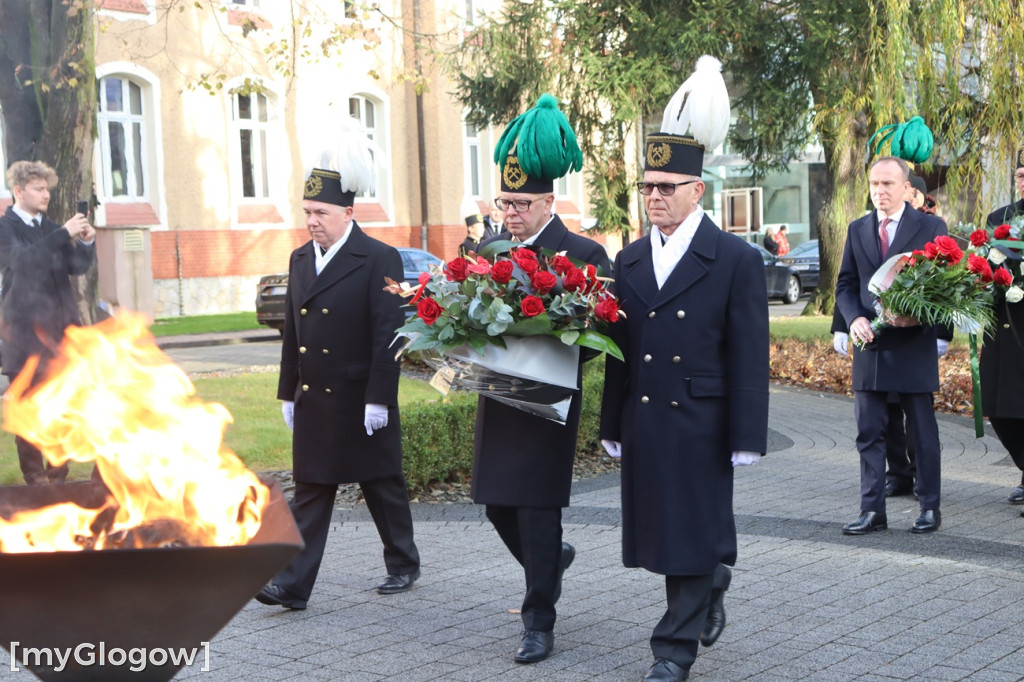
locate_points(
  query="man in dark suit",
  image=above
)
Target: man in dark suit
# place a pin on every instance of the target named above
(522, 463)
(339, 383)
(690, 402)
(1002, 357)
(37, 256)
(902, 360)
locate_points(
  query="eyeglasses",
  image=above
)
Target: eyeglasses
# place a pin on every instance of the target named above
(521, 205)
(665, 189)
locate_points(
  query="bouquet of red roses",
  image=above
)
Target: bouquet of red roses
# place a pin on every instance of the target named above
(998, 258)
(935, 285)
(510, 326)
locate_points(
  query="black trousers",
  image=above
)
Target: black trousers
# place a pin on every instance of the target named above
(1010, 432)
(534, 536)
(899, 448)
(872, 414)
(36, 469)
(677, 635)
(312, 506)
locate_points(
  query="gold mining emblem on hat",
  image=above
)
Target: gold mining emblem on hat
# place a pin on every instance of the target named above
(513, 174)
(314, 185)
(658, 155)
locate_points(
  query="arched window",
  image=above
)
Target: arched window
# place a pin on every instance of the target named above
(123, 137)
(252, 116)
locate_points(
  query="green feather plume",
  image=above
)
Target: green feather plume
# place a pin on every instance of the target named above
(543, 141)
(911, 141)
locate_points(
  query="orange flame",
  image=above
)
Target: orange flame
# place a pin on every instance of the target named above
(112, 397)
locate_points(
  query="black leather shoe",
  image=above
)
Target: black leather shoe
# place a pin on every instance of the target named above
(928, 522)
(893, 490)
(868, 521)
(536, 646)
(1017, 496)
(274, 595)
(715, 622)
(394, 584)
(665, 670)
(564, 562)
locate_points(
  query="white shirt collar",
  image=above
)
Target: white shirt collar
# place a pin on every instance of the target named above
(895, 217)
(531, 240)
(666, 256)
(322, 259)
(26, 216)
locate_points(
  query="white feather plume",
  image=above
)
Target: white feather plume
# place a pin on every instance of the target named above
(353, 155)
(468, 207)
(700, 105)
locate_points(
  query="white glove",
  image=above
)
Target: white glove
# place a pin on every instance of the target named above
(288, 410)
(744, 458)
(841, 341)
(613, 448)
(941, 345)
(375, 417)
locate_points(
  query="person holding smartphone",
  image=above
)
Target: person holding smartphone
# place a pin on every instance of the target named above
(37, 258)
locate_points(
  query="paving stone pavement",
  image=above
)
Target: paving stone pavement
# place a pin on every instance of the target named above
(806, 602)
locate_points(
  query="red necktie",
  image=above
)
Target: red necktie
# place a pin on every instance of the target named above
(883, 237)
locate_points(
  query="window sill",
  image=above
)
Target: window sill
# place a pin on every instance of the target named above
(129, 214)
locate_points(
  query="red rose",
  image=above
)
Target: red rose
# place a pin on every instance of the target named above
(607, 310)
(574, 280)
(976, 264)
(592, 283)
(424, 278)
(1002, 277)
(1001, 232)
(429, 310)
(501, 272)
(532, 306)
(526, 260)
(562, 265)
(455, 270)
(543, 282)
(480, 267)
(930, 251)
(979, 237)
(947, 247)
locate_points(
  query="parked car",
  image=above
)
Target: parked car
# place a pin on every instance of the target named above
(805, 260)
(270, 291)
(783, 281)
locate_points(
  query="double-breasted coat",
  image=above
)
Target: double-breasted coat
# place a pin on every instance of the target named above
(38, 302)
(902, 359)
(336, 356)
(693, 389)
(1002, 356)
(521, 460)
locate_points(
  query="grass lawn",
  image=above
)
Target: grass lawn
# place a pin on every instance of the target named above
(204, 324)
(258, 435)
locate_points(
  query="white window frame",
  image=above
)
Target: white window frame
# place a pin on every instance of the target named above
(133, 157)
(247, 4)
(472, 147)
(153, 157)
(5, 192)
(261, 145)
(378, 132)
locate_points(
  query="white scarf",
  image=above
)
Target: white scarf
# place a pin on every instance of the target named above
(322, 259)
(666, 256)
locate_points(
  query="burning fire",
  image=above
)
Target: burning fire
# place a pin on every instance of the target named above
(112, 397)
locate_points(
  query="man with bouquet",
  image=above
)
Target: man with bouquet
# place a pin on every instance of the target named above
(522, 463)
(690, 401)
(903, 360)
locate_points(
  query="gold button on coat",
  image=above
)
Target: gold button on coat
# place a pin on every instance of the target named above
(1006, 326)
(326, 352)
(302, 311)
(647, 358)
(674, 404)
(302, 349)
(327, 390)
(680, 314)
(676, 359)
(325, 311)
(305, 387)
(652, 314)
(645, 400)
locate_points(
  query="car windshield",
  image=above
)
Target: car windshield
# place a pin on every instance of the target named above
(806, 249)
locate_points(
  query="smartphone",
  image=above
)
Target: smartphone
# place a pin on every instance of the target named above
(83, 206)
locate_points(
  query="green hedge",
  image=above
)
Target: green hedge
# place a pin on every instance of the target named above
(437, 437)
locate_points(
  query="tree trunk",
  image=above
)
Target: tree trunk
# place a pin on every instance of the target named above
(48, 98)
(845, 158)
